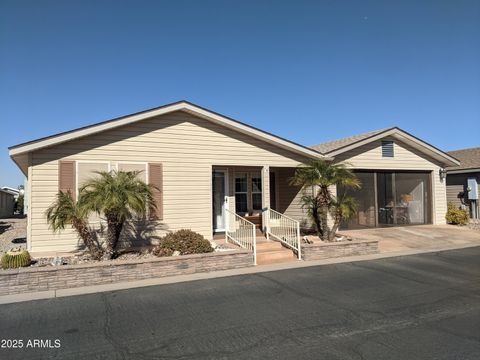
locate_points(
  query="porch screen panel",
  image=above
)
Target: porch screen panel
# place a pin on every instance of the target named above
(365, 197)
(411, 198)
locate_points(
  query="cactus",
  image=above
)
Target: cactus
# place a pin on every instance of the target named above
(15, 258)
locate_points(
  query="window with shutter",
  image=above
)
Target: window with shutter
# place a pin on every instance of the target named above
(88, 170)
(155, 178)
(140, 167)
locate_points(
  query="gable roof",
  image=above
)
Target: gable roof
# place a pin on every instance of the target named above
(161, 110)
(469, 160)
(336, 147)
(330, 146)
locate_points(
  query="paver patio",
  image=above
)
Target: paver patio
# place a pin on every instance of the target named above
(421, 237)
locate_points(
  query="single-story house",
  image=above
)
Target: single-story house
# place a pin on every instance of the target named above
(464, 179)
(7, 203)
(213, 171)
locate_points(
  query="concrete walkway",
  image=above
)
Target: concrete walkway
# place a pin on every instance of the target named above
(421, 237)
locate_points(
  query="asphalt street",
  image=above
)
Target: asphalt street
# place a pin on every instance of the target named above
(414, 307)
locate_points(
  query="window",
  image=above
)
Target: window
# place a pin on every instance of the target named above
(387, 149)
(86, 171)
(141, 167)
(241, 190)
(256, 191)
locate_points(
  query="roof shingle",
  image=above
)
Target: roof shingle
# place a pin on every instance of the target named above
(469, 158)
(330, 146)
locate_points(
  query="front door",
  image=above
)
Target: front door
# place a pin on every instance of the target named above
(219, 194)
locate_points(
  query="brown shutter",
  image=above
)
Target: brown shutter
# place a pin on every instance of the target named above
(155, 178)
(66, 177)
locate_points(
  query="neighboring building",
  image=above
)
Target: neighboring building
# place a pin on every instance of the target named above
(462, 180)
(402, 177)
(14, 192)
(7, 203)
(210, 168)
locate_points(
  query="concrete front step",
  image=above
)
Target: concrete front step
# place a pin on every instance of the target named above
(273, 252)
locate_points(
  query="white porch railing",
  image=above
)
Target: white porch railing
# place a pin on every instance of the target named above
(284, 229)
(241, 231)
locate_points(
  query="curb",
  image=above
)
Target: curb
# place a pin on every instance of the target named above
(51, 294)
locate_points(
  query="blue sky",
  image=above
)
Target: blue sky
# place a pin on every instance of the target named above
(310, 71)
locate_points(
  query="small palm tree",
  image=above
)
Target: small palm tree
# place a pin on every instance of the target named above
(65, 211)
(320, 176)
(119, 196)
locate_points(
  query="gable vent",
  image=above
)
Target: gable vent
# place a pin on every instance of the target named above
(387, 148)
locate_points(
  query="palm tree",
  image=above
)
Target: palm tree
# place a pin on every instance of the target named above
(119, 196)
(65, 211)
(320, 176)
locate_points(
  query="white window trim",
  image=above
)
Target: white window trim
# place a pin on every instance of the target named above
(235, 192)
(87, 162)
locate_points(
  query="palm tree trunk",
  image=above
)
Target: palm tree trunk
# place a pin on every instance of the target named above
(114, 229)
(324, 201)
(87, 238)
(336, 224)
(316, 220)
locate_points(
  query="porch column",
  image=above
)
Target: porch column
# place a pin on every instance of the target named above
(265, 196)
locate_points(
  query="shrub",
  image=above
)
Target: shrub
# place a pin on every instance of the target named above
(16, 258)
(456, 216)
(185, 242)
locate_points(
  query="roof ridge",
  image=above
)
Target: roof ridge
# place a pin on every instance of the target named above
(469, 148)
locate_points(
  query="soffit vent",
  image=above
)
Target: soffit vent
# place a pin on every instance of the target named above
(387, 149)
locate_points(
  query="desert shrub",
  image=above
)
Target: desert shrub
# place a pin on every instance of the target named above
(185, 242)
(15, 258)
(456, 216)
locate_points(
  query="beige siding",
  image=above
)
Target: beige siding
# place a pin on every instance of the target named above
(406, 158)
(456, 184)
(187, 147)
(289, 197)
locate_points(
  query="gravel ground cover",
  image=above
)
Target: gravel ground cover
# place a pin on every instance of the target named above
(13, 233)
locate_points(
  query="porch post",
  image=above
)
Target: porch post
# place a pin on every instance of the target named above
(265, 197)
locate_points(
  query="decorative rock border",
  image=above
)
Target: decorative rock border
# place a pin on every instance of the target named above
(33, 279)
(328, 250)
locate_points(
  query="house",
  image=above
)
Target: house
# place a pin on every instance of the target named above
(215, 174)
(463, 179)
(7, 203)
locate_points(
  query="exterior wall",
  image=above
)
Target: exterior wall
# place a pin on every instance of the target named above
(405, 158)
(456, 184)
(289, 197)
(187, 146)
(7, 204)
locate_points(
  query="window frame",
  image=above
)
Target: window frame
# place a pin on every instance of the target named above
(88, 162)
(246, 176)
(135, 163)
(253, 175)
